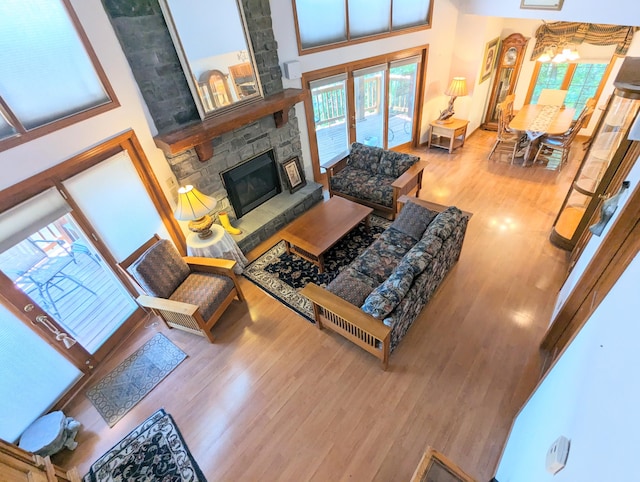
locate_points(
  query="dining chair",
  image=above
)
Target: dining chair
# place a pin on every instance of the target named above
(190, 293)
(555, 149)
(551, 97)
(508, 106)
(506, 139)
(585, 113)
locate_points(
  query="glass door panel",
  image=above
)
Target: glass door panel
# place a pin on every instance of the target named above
(330, 114)
(33, 376)
(61, 272)
(369, 95)
(402, 90)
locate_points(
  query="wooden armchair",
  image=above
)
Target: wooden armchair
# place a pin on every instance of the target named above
(189, 293)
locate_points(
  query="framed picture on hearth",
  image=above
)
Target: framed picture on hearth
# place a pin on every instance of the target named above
(294, 174)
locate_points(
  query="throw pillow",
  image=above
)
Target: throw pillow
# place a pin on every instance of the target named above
(382, 300)
(394, 163)
(413, 220)
(365, 157)
(351, 286)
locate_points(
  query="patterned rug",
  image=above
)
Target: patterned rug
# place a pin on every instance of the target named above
(124, 387)
(155, 450)
(283, 275)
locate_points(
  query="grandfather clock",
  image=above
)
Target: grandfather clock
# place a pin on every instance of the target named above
(504, 83)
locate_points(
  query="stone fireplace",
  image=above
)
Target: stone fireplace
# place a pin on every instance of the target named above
(252, 183)
(146, 42)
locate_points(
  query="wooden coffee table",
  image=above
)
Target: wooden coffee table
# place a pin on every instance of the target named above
(312, 234)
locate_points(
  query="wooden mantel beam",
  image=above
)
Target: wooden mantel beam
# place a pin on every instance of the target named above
(199, 135)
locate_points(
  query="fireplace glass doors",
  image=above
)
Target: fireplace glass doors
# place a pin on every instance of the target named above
(252, 183)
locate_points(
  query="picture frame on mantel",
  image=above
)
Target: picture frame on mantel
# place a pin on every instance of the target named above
(542, 4)
(490, 54)
(294, 174)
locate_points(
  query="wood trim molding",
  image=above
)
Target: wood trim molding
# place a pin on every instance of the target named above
(200, 134)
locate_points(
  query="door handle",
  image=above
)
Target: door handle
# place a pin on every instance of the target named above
(60, 335)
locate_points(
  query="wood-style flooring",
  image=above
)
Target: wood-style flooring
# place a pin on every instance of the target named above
(276, 399)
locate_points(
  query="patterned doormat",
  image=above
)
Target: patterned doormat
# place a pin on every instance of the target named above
(283, 275)
(155, 450)
(124, 387)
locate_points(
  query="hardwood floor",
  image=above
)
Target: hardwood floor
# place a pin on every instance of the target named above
(276, 399)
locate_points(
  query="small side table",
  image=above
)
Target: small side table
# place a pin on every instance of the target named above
(219, 245)
(449, 135)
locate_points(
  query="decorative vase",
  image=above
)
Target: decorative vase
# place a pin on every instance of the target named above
(224, 220)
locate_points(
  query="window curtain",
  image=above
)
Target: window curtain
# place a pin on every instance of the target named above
(561, 33)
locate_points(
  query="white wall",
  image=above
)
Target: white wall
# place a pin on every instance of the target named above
(590, 396)
(616, 12)
(472, 34)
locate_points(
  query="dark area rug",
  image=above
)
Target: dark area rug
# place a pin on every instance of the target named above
(153, 451)
(124, 387)
(283, 275)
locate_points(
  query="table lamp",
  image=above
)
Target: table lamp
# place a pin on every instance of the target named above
(458, 87)
(193, 206)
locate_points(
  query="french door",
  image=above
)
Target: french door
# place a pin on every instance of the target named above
(64, 305)
(52, 275)
(58, 271)
(375, 102)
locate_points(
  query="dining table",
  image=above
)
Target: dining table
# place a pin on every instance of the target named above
(536, 120)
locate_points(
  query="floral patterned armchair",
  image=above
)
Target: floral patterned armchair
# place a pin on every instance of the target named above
(374, 177)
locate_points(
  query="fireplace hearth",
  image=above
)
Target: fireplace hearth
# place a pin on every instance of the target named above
(252, 183)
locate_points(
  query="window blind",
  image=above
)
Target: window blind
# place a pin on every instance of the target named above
(26, 218)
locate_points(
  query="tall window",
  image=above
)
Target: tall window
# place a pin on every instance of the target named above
(322, 24)
(50, 77)
(581, 81)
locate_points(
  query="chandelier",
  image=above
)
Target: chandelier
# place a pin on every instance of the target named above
(558, 54)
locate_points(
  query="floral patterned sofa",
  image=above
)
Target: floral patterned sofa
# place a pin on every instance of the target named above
(374, 177)
(374, 301)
